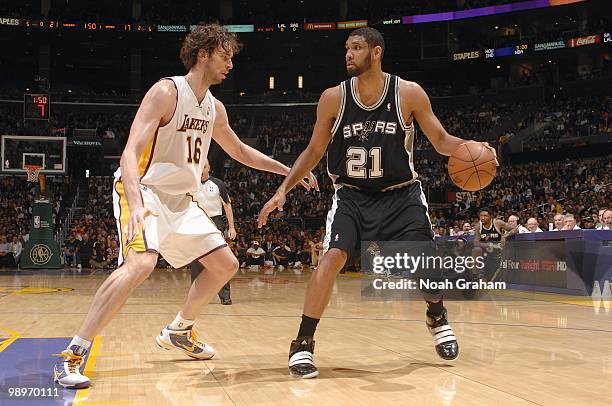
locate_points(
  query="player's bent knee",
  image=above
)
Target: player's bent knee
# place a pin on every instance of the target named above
(141, 263)
(333, 261)
(234, 265)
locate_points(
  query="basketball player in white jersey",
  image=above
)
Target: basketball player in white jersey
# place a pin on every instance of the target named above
(366, 125)
(154, 206)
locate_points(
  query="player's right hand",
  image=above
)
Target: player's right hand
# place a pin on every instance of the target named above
(310, 182)
(276, 202)
(137, 220)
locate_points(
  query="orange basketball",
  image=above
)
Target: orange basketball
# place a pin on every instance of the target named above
(472, 166)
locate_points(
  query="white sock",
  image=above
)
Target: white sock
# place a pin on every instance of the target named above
(180, 323)
(76, 340)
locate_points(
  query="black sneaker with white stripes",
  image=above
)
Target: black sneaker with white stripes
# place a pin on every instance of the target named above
(443, 336)
(301, 358)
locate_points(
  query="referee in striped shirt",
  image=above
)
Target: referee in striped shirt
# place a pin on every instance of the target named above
(213, 198)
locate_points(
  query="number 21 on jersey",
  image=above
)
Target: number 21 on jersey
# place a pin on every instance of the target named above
(357, 158)
(194, 151)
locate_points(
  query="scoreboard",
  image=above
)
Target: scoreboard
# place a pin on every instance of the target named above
(506, 51)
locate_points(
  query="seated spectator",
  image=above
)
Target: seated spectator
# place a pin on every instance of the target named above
(71, 251)
(607, 220)
(282, 254)
(113, 254)
(17, 248)
(255, 254)
(570, 223)
(532, 225)
(6, 254)
(466, 229)
(513, 221)
(99, 259)
(600, 222)
(86, 252)
(559, 222)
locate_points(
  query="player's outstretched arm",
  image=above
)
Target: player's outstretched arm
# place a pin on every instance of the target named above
(225, 136)
(156, 109)
(241, 152)
(327, 109)
(508, 230)
(414, 99)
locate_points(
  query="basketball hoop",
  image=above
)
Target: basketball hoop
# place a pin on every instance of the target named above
(32, 171)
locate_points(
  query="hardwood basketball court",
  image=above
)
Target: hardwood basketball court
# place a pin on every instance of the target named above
(515, 348)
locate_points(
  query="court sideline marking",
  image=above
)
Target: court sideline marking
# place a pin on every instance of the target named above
(82, 394)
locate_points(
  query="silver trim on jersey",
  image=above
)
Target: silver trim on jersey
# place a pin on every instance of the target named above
(409, 146)
(375, 105)
(330, 221)
(340, 110)
(424, 201)
(399, 106)
(409, 130)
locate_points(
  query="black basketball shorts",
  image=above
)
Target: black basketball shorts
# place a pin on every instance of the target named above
(396, 215)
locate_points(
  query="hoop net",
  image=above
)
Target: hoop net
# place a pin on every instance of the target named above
(32, 171)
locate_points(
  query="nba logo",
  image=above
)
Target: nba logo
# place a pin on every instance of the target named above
(336, 237)
(36, 221)
(389, 106)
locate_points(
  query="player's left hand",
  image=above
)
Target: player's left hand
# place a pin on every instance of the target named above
(486, 145)
(310, 182)
(276, 202)
(231, 233)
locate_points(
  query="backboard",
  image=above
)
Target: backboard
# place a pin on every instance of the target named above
(48, 152)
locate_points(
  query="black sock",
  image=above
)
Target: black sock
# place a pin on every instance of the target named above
(308, 326)
(435, 308)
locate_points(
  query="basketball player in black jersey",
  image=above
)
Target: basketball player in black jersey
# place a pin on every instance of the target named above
(367, 126)
(490, 236)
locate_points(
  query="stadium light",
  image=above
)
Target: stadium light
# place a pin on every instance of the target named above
(271, 82)
(300, 82)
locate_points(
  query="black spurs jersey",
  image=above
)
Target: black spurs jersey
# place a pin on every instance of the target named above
(371, 147)
(491, 234)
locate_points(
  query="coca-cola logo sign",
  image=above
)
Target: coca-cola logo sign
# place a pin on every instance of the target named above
(581, 41)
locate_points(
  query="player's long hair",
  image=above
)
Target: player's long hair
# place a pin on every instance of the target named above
(207, 37)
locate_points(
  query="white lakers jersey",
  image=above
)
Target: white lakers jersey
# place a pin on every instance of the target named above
(174, 159)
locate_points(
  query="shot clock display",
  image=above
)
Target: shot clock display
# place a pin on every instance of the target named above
(36, 106)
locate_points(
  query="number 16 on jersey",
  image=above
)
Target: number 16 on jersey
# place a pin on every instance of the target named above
(194, 151)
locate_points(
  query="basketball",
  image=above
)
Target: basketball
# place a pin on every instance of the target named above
(472, 166)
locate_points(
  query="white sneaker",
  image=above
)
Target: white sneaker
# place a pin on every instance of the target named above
(68, 371)
(186, 341)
